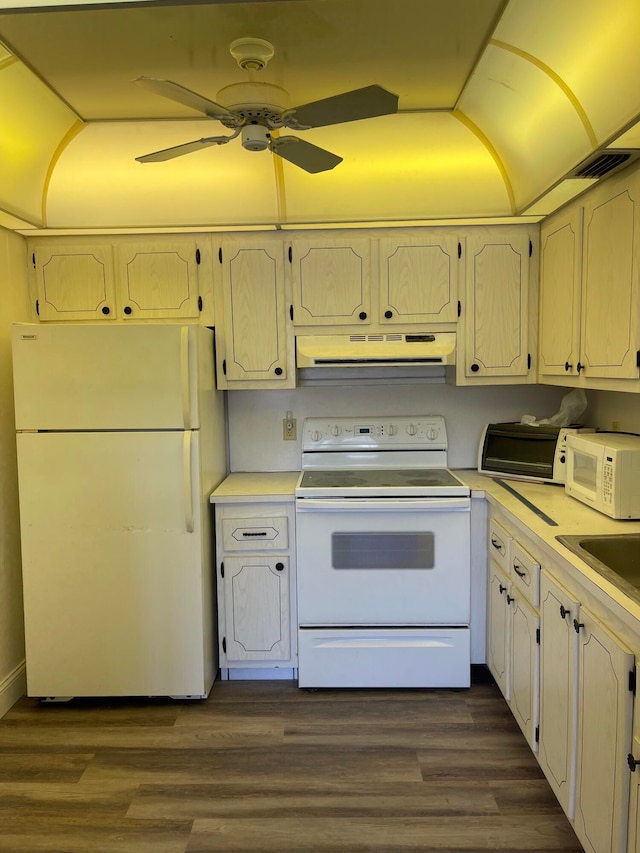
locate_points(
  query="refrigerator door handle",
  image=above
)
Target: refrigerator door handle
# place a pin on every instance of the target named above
(187, 482)
(185, 377)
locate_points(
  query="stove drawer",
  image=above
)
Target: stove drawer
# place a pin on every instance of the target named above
(364, 657)
(255, 534)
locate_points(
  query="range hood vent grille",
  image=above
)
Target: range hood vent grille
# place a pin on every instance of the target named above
(423, 348)
(604, 162)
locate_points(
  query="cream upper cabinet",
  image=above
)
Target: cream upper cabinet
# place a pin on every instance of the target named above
(331, 282)
(560, 274)
(590, 289)
(419, 278)
(158, 279)
(495, 343)
(611, 279)
(253, 347)
(73, 281)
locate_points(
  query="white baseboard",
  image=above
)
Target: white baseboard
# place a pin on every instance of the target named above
(12, 687)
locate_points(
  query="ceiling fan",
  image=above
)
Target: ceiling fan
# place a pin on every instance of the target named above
(254, 109)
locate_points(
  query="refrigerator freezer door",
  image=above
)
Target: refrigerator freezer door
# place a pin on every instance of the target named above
(117, 597)
(73, 377)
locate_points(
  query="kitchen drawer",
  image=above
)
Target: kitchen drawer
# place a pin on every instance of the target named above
(500, 545)
(255, 534)
(525, 572)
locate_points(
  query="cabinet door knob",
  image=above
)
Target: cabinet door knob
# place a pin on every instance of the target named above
(362, 315)
(579, 367)
(475, 368)
(567, 366)
(106, 310)
(563, 611)
(632, 762)
(502, 588)
(577, 625)
(279, 567)
(127, 309)
(278, 371)
(388, 314)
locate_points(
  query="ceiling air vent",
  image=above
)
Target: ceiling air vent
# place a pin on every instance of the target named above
(604, 162)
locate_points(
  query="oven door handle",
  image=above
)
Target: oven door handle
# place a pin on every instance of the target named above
(383, 505)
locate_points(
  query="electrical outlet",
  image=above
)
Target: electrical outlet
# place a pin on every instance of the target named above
(289, 428)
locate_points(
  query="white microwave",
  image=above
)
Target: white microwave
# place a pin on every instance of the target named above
(603, 471)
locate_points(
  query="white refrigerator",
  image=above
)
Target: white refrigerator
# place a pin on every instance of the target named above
(120, 439)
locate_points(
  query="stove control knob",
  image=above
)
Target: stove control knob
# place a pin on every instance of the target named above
(392, 430)
(335, 430)
(315, 435)
(412, 429)
(432, 434)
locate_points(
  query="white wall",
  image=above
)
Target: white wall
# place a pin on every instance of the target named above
(13, 307)
(255, 417)
(614, 410)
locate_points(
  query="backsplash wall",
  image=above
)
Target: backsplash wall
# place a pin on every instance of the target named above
(255, 417)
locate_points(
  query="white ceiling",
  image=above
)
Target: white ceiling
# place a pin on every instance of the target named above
(498, 101)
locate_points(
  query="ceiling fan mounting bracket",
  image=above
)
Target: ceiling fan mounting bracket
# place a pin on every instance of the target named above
(251, 54)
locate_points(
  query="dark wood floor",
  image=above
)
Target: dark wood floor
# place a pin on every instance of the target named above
(263, 766)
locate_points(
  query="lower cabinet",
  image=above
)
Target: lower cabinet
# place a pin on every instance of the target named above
(570, 684)
(255, 544)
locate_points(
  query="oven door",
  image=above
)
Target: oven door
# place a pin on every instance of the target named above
(383, 562)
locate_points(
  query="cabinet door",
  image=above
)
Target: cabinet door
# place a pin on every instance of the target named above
(497, 313)
(560, 276)
(158, 279)
(525, 668)
(499, 629)
(74, 282)
(331, 282)
(633, 841)
(611, 279)
(605, 705)
(256, 602)
(558, 690)
(419, 279)
(255, 345)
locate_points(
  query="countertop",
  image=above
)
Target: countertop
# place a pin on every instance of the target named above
(260, 487)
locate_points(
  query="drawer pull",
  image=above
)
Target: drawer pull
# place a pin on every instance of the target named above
(261, 533)
(516, 569)
(498, 545)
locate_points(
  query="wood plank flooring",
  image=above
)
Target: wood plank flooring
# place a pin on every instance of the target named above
(263, 767)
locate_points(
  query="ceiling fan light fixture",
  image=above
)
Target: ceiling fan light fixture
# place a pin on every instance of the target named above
(255, 137)
(251, 54)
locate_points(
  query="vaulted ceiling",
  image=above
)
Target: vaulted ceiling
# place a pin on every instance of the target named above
(498, 103)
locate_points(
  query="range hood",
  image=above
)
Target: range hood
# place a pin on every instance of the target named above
(381, 350)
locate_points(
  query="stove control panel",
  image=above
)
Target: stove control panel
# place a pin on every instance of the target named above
(403, 433)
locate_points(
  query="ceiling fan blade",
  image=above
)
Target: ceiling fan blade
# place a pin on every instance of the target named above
(175, 92)
(187, 148)
(305, 155)
(368, 102)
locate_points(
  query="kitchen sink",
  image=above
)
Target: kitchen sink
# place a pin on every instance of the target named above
(616, 557)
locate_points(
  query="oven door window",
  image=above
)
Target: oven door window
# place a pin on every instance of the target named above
(382, 550)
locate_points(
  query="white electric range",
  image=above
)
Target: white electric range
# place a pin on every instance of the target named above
(383, 554)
